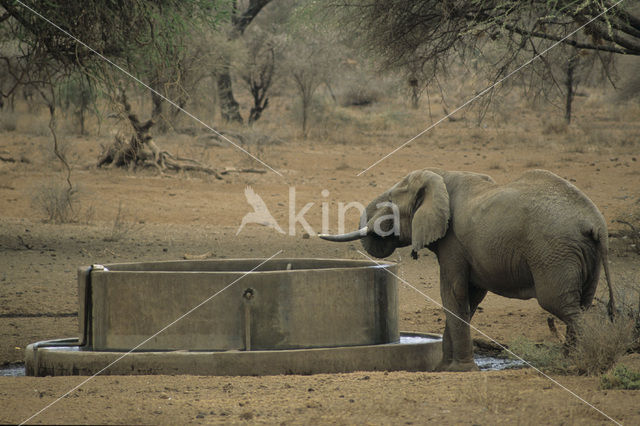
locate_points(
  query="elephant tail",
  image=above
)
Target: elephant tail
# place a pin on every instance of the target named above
(601, 238)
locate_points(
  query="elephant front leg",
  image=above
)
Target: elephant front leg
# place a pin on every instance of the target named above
(447, 350)
(457, 347)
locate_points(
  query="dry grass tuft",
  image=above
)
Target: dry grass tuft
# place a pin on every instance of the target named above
(343, 166)
(122, 226)
(534, 164)
(482, 396)
(545, 356)
(601, 342)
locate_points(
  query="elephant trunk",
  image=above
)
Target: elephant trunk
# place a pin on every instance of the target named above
(350, 236)
(374, 244)
(380, 247)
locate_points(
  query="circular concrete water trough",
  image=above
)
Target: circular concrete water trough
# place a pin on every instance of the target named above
(287, 316)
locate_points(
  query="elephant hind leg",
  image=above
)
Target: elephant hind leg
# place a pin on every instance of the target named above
(590, 285)
(560, 292)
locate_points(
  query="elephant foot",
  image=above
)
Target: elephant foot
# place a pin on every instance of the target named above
(442, 365)
(456, 366)
(463, 366)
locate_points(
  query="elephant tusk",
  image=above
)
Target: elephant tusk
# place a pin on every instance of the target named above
(342, 238)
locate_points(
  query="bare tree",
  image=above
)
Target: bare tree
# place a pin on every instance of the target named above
(309, 61)
(307, 80)
(427, 35)
(145, 37)
(558, 75)
(229, 107)
(77, 93)
(264, 52)
(142, 36)
(430, 30)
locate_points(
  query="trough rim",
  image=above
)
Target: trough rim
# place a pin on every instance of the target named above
(365, 264)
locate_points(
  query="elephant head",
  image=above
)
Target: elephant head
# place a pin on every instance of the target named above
(415, 212)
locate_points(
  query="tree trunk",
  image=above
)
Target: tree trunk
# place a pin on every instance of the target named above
(81, 119)
(305, 112)
(415, 98)
(260, 102)
(156, 112)
(571, 66)
(415, 93)
(229, 107)
(256, 113)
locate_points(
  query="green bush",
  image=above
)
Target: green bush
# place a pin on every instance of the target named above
(621, 378)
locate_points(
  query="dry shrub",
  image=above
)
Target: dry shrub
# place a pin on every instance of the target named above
(600, 342)
(340, 124)
(57, 201)
(60, 204)
(38, 127)
(361, 95)
(630, 89)
(122, 226)
(66, 149)
(554, 127)
(631, 230)
(8, 121)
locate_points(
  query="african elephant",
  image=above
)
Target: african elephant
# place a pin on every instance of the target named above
(538, 236)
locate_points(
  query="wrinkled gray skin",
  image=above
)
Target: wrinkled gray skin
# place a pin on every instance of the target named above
(538, 236)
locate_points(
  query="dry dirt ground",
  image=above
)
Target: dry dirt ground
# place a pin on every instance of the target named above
(168, 216)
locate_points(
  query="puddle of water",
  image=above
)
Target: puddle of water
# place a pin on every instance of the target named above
(12, 370)
(491, 363)
(484, 362)
(63, 348)
(407, 339)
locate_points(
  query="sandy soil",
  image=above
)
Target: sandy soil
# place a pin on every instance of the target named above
(168, 216)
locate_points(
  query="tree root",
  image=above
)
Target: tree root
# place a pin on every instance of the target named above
(141, 150)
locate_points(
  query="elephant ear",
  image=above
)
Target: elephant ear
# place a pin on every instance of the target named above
(431, 212)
